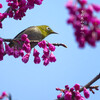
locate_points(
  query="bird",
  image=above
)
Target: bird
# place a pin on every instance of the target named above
(34, 33)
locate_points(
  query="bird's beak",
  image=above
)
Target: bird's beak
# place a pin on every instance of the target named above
(54, 33)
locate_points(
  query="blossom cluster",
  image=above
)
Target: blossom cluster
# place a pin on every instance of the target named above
(73, 93)
(4, 94)
(19, 47)
(48, 55)
(18, 8)
(84, 22)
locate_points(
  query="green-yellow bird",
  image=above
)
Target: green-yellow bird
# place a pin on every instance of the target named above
(34, 33)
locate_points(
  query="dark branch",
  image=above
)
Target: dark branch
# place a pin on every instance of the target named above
(91, 82)
(59, 44)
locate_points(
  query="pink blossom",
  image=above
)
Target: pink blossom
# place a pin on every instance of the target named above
(46, 52)
(77, 87)
(59, 96)
(69, 4)
(96, 7)
(26, 47)
(82, 2)
(0, 5)
(35, 53)
(68, 96)
(24, 37)
(71, 19)
(5, 15)
(44, 56)
(72, 89)
(27, 40)
(51, 47)
(4, 94)
(16, 53)
(42, 44)
(26, 58)
(57, 89)
(10, 14)
(21, 53)
(46, 62)
(89, 9)
(1, 56)
(8, 50)
(67, 87)
(52, 57)
(30, 4)
(77, 95)
(38, 2)
(86, 93)
(1, 15)
(37, 60)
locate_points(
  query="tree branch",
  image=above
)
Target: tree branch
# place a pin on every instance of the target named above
(91, 82)
(35, 41)
(59, 44)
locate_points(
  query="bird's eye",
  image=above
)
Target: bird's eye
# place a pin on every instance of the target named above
(48, 28)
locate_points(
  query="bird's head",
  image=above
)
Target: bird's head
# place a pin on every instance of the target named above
(46, 30)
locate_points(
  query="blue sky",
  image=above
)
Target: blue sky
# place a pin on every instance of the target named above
(74, 65)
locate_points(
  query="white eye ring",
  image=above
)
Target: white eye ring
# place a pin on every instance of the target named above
(47, 28)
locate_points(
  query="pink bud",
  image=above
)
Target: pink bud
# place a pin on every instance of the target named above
(51, 47)
(46, 62)
(52, 57)
(4, 94)
(21, 53)
(77, 95)
(59, 96)
(16, 53)
(37, 60)
(68, 95)
(26, 47)
(42, 44)
(57, 89)
(0, 5)
(67, 87)
(77, 87)
(35, 53)
(26, 58)
(96, 7)
(27, 40)
(86, 93)
(46, 51)
(38, 2)
(23, 37)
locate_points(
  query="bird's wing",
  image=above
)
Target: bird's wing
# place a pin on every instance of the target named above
(22, 32)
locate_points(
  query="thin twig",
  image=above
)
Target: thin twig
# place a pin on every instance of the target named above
(59, 44)
(91, 82)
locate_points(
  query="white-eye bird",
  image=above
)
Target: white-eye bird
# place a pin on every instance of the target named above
(34, 33)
